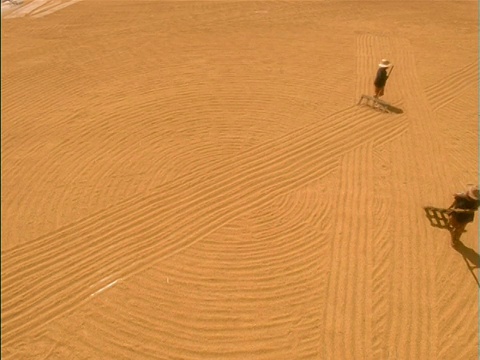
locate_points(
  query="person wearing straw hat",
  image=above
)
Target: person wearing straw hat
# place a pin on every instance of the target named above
(462, 212)
(382, 77)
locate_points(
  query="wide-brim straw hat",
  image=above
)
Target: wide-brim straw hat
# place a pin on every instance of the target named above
(385, 63)
(472, 192)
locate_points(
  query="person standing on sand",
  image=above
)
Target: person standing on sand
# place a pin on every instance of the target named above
(461, 212)
(381, 78)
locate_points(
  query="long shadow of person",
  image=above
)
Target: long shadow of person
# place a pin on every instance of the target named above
(438, 218)
(471, 257)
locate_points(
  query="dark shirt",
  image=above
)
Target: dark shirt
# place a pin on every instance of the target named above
(381, 78)
(465, 204)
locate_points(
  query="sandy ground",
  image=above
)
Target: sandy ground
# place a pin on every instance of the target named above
(195, 180)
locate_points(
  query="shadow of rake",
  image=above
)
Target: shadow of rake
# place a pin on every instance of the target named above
(438, 217)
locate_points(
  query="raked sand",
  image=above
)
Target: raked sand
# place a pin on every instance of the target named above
(194, 180)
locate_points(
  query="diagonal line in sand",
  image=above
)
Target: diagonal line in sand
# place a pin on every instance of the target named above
(51, 10)
(132, 238)
(40, 8)
(349, 292)
(356, 270)
(51, 4)
(451, 86)
(26, 9)
(422, 319)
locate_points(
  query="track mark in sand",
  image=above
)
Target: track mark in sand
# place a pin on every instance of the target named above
(366, 64)
(369, 50)
(348, 312)
(251, 279)
(453, 322)
(429, 300)
(99, 160)
(413, 249)
(84, 132)
(426, 324)
(88, 171)
(134, 236)
(382, 251)
(461, 135)
(451, 87)
(436, 326)
(413, 330)
(458, 320)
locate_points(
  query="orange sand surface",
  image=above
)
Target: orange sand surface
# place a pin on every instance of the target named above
(195, 180)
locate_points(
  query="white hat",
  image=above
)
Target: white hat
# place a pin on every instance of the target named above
(385, 63)
(472, 192)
